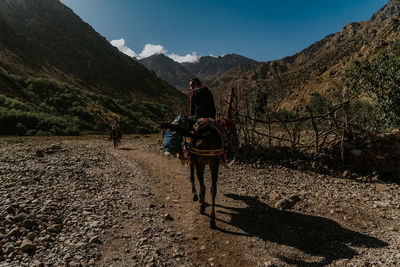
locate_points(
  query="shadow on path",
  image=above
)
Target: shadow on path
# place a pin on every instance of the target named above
(127, 148)
(316, 236)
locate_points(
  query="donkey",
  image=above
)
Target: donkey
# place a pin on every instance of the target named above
(206, 148)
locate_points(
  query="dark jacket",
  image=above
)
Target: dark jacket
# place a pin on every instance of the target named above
(201, 103)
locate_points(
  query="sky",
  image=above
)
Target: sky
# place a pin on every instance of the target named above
(187, 29)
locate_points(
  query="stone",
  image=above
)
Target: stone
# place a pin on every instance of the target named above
(287, 203)
(15, 231)
(74, 264)
(168, 217)
(9, 249)
(382, 187)
(80, 244)
(95, 239)
(29, 223)
(45, 238)
(10, 209)
(54, 228)
(20, 217)
(39, 153)
(27, 246)
(31, 236)
(346, 173)
(274, 196)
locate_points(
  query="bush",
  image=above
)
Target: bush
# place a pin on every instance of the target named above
(20, 129)
(319, 104)
(48, 107)
(31, 132)
(378, 80)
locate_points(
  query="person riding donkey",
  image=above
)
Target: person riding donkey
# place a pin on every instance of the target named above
(115, 130)
(201, 106)
(202, 111)
(204, 142)
(201, 101)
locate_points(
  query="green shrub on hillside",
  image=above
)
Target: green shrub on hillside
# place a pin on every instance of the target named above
(378, 81)
(49, 107)
(13, 103)
(17, 122)
(318, 104)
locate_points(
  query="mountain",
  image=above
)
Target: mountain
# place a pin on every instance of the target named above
(179, 74)
(167, 69)
(209, 67)
(320, 67)
(43, 44)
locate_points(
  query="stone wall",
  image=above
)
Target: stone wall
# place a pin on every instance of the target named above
(380, 155)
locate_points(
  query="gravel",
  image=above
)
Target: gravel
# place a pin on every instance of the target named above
(75, 202)
(63, 201)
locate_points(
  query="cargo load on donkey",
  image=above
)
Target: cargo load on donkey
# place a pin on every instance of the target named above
(172, 140)
(178, 137)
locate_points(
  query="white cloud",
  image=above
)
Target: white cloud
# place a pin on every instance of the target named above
(151, 49)
(222, 55)
(120, 44)
(188, 58)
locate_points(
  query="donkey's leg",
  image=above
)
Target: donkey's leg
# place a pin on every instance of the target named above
(214, 165)
(200, 176)
(194, 193)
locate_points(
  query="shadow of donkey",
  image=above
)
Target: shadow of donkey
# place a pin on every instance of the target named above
(316, 236)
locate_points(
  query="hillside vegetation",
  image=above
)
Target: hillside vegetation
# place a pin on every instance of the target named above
(59, 76)
(48, 107)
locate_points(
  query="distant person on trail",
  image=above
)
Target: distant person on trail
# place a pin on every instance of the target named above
(201, 101)
(115, 129)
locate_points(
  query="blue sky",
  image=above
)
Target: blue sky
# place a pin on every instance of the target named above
(259, 29)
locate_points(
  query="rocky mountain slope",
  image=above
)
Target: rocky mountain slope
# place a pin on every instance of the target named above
(169, 70)
(206, 68)
(318, 68)
(45, 39)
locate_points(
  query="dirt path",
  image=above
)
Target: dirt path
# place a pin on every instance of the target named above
(75, 201)
(171, 185)
(322, 229)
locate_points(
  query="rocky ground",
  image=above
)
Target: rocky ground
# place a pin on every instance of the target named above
(78, 202)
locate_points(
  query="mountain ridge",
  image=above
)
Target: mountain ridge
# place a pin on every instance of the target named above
(206, 68)
(319, 67)
(169, 70)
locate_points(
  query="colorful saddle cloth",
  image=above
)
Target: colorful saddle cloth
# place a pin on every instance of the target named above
(227, 131)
